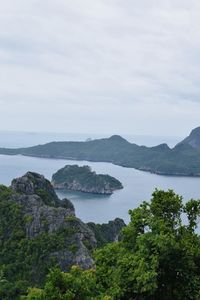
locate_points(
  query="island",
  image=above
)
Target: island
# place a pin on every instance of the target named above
(83, 179)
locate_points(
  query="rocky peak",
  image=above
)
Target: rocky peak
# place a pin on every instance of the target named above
(46, 229)
(161, 147)
(108, 232)
(117, 138)
(45, 215)
(35, 184)
(193, 139)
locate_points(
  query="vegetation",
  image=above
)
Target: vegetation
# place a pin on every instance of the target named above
(157, 258)
(183, 159)
(73, 177)
(107, 233)
(26, 260)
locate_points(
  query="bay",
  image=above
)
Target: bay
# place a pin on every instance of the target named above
(138, 186)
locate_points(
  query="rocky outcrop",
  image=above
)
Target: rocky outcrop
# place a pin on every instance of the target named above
(32, 183)
(82, 179)
(107, 233)
(39, 232)
(76, 186)
(193, 140)
(45, 213)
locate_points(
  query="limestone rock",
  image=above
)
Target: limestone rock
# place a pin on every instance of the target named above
(107, 233)
(45, 213)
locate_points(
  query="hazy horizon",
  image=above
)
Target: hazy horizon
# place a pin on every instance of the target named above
(26, 138)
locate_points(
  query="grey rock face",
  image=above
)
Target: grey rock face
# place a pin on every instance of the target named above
(107, 233)
(33, 183)
(78, 187)
(40, 217)
(44, 213)
(80, 255)
(193, 139)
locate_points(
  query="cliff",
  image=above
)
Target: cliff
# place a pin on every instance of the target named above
(108, 232)
(39, 231)
(193, 140)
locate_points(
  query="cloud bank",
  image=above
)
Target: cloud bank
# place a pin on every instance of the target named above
(106, 66)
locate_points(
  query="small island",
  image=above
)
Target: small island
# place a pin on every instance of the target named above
(83, 179)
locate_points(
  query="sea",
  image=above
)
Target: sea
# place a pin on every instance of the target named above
(138, 185)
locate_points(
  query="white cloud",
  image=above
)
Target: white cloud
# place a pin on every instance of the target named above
(104, 66)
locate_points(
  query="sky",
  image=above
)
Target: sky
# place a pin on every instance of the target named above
(103, 66)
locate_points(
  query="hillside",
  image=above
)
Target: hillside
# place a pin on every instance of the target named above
(193, 139)
(82, 179)
(183, 159)
(157, 258)
(39, 231)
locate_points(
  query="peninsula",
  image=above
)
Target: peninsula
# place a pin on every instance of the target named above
(83, 179)
(182, 160)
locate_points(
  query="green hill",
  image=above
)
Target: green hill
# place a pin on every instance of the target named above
(82, 179)
(183, 159)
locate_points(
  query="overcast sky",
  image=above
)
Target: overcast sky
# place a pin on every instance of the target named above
(100, 66)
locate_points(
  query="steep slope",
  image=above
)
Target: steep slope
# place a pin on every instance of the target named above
(108, 232)
(192, 140)
(39, 231)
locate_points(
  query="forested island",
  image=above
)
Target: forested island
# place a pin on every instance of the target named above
(83, 179)
(47, 253)
(183, 159)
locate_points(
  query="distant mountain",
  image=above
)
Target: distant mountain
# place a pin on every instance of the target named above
(193, 139)
(183, 159)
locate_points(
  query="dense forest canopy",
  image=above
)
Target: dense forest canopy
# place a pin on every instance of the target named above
(157, 257)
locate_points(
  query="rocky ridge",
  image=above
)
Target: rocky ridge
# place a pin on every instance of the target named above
(45, 213)
(108, 232)
(39, 231)
(193, 140)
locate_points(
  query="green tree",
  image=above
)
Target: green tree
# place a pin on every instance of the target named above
(76, 284)
(157, 258)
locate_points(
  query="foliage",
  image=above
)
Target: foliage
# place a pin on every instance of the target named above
(158, 258)
(107, 233)
(25, 261)
(76, 284)
(47, 198)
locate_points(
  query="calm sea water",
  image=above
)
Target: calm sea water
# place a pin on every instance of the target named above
(138, 185)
